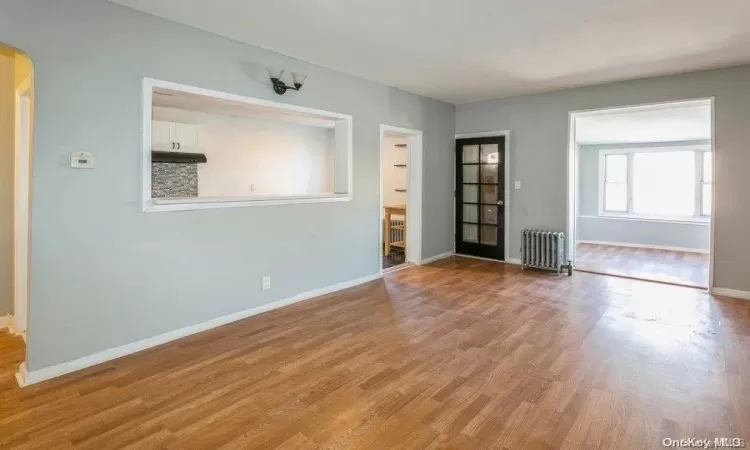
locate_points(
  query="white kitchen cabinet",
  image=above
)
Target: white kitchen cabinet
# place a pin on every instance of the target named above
(175, 137)
(162, 135)
(186, 137)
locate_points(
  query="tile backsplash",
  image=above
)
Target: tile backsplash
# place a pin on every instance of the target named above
(170, 180)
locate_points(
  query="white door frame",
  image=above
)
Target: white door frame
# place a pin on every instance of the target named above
(414, 190)
(506, 163)
(572, 174)
(22, 178)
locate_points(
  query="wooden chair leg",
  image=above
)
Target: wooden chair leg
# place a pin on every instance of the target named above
(387, 234)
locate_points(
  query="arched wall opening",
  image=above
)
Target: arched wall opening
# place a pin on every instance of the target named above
(16, 148)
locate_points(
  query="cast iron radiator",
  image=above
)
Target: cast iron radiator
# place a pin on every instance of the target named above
(544, 250)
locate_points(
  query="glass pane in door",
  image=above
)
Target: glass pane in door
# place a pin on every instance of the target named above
(489, 194)
(471, 154)
(490, 155)
(489, 214)
(470, 233)
(489, 234)
(471, 193)
(471, 174)
(471, 213)
(489, 173)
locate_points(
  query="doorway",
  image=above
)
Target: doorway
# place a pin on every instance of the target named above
(641, 192)
(400, 225)
(16, 145)
(481, 196)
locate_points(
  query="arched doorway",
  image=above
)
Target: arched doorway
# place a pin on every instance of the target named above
(16, 144)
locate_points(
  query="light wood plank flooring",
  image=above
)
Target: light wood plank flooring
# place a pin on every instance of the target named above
(459, 354)
(687, 268)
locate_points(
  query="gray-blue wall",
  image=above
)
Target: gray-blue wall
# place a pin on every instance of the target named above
(629, 231)
(103, 273)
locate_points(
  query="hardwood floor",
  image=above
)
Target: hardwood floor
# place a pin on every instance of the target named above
(687, 268)
(460, 354)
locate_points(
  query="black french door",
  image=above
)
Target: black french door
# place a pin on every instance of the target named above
(480, 197)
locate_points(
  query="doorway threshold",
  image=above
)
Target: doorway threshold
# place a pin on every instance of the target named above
(397, 268)
(640, 278)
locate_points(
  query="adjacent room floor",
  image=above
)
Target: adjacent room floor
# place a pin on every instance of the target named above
(688, 268)
(461, 353)
(393, 259)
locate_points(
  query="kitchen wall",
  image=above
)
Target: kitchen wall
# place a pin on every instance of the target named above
(7, 164)
(103, 272)
(629, 231)
(249, 156)
(539, 141)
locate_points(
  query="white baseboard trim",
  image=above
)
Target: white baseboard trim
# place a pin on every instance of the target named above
(733, 293)
(14, 328)
(432, 259)
(655, 247)
(507, 261)
(25, 377)
(6, 321)
(21, 375)
(396, 268)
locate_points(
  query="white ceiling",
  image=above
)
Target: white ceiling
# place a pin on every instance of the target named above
(679, 122)
(470, 50)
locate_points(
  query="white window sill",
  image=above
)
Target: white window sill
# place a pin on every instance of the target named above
(701, 221)
(186, 204)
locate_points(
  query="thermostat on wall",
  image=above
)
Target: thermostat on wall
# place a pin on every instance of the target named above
(82, 160)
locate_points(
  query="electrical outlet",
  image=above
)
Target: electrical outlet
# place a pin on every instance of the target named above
(266, 283)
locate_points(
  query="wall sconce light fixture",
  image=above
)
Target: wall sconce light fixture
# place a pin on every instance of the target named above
(280, 87)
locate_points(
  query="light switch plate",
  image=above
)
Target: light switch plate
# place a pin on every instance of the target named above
(517, 185)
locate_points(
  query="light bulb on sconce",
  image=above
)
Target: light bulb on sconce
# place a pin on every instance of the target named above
(274, 73)
(299, 79)
(279, 86)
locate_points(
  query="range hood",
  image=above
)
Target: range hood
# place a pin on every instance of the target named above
(177, 157)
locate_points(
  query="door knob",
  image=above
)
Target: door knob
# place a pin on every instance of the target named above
(500, 203)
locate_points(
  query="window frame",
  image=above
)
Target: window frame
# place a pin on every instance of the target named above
(697, 216)
(603, 181)
(699, 167)
(343, 139)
